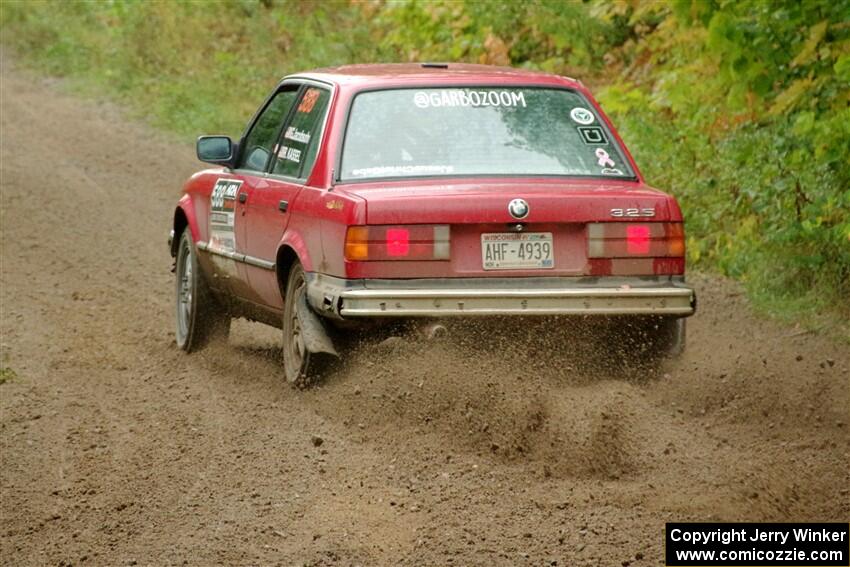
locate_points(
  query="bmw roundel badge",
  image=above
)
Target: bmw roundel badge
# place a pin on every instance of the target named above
(518, 208)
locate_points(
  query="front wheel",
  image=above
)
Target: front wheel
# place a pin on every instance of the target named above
(199, 316)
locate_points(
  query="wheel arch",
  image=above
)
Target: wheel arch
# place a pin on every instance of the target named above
(178, 226)
(183, 217)
(286, 258)
(292, 248)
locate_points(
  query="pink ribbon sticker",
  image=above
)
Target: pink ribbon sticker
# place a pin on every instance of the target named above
(604, 159)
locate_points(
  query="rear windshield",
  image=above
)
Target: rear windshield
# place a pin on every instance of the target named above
(477, 131)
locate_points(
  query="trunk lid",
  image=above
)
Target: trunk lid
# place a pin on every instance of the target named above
(463, 202)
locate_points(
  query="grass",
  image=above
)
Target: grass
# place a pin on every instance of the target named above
(809, 311)
(7, 375)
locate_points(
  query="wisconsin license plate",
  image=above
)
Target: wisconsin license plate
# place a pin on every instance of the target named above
(517, 251)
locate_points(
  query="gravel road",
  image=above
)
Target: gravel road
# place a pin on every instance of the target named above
(117, 449)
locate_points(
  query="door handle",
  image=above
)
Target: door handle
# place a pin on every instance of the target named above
(243, 197)
(283, 206)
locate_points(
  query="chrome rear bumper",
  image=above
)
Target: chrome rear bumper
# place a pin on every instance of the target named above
(503, 296)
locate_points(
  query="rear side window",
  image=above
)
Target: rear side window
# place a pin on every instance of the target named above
(478, 131)
(260, 140)
(299, 143)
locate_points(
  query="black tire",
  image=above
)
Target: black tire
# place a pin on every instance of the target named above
(301, 366)
(672, 337)
(646, 342)
(199, 317)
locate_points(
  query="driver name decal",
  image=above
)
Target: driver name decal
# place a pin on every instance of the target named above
(293, 133)
(454, 97)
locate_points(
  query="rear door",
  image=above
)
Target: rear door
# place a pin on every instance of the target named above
(270, 202)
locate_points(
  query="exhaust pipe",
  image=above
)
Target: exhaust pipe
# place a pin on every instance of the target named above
(434, 331)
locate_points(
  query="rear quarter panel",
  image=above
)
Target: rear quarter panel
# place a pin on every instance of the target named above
(331, 212)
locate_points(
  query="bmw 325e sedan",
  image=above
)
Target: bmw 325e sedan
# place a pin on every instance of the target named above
(392, 192)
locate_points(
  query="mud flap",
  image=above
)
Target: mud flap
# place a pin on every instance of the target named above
(316, 338)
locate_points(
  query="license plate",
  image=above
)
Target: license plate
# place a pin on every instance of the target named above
(517, 251)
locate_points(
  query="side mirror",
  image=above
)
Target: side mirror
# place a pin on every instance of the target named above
(216, 150)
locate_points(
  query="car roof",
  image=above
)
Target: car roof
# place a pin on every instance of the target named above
(382, 74)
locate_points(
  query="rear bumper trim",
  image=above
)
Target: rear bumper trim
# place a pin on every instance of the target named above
(526, 296)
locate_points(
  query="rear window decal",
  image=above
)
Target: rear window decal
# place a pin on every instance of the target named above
(457, 97)
(398, 170)
(223, 215)
(291, 154)
(309, 100)
(293, 133)
(593, 135)
(604, 159)
(582, 115)
(609, 167)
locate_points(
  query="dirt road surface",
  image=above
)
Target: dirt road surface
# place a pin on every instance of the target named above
(118, 449)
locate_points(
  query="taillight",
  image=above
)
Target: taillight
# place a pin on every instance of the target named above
(398, 242)
(635, 248)
(631, 240)
(637, 239)
(405, 242)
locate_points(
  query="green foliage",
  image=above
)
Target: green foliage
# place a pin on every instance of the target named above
(544, 34)
(741, 108)
(187, 66)
(7, 374)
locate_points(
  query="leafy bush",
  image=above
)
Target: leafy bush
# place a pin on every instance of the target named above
(742, 109)
(739, 108)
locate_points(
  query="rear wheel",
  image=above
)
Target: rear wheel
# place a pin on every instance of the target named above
(672, 337)
(646, 342)
(199, 316)
(300, 365)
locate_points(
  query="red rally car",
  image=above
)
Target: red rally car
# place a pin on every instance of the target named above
(401, 191)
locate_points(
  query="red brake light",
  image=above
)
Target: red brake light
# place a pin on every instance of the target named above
(637, 239)
(398, 242)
